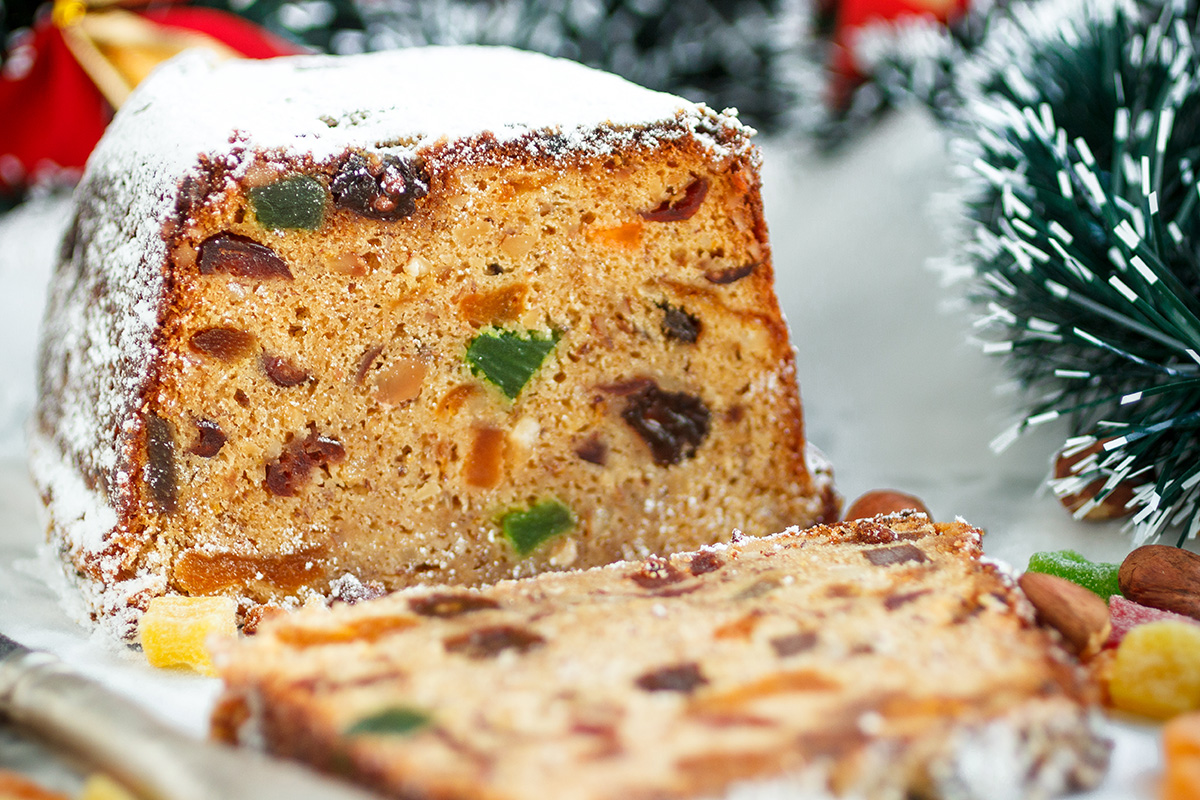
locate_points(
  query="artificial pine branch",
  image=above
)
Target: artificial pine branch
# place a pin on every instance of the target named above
(1084, 237)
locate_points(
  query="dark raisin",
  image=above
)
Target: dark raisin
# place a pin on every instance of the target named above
(231, 254)
(626, 387)
(160, 464)
(730, 275)
(210, 440)
(886, 556)
(324, 449)
(894, 601)
(490, 642)
(366, 362)
(282, 372)
(445, 604)
(793, 643)
(379, 187)
(655, 573)
(223, 344)
(593, 451)
(704, 562)
(868, 531)
(684, 208)
(681, 678)
(679, 324)
(286, 474)
(673, 424)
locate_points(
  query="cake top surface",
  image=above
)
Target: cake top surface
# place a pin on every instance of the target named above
(401, 99)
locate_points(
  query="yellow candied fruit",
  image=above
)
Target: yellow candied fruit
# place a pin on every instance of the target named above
(99, 786)
(175, 630)
(1156, 671)
(1181, 751)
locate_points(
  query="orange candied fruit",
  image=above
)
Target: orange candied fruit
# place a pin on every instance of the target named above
(1181, 752)
(176, 630)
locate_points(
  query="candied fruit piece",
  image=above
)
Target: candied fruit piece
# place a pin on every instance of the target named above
(1097, 576)
(1127, 615)
(529, 528)
(297, 201)
(99, 786)
(1156, 671)
(400, 381)
(508, 359)
(14, 786)
(176, 629)
(401, 721)
(484, 465)
(1181, 756)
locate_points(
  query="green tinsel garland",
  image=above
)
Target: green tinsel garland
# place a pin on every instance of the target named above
(1085, 239)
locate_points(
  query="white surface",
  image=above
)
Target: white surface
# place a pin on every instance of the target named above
(893, 394)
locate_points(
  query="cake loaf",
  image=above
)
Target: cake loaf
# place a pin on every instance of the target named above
(878, 658)
(436, 315)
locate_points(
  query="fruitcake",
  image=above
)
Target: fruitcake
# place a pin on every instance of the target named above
(434, 315)
(876, 658)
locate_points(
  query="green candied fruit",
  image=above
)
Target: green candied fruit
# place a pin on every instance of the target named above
(398, 721)
(528, 529)
(507, 358)
(1097, 576)
(297, 201)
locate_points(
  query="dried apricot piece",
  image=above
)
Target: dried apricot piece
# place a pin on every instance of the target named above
(1181, 755)
(176, 629)
(1156, 671)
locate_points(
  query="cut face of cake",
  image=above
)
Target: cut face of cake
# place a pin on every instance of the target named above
(488, 315)
(877, 659)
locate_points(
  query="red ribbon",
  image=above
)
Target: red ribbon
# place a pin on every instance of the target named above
(52, 111)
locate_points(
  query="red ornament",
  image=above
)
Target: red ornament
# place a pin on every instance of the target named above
(853, 16)
(63, 78)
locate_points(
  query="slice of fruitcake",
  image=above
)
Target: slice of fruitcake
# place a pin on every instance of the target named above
(877, 658)
(443, 314)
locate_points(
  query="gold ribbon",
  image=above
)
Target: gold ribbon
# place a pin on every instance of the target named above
(118, 48)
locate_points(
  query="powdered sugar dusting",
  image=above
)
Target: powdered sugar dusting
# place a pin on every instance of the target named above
(400, 100)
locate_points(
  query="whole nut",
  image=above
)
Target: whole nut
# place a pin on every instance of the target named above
(1162, 577)
(1115, 504)
(1080, 615)
(884, 501)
